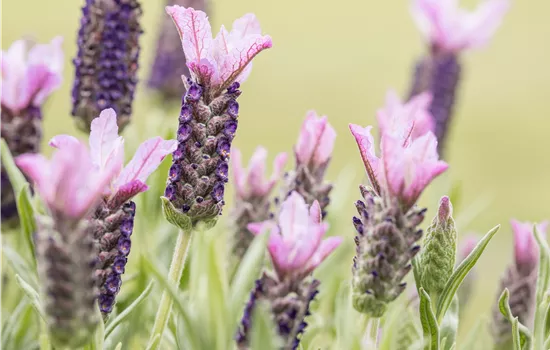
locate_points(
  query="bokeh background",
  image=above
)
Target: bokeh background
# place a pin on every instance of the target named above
(340, 58)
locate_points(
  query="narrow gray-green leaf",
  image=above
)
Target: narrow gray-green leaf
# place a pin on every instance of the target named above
(99, 334)
(460, 273)
(10, 323)
(20, 265)
(127, 311)
(118, 346)
(521, 334)
(32, 294)
(543, 285)
(416, 263)
(27, 218)
(449, 325)
(17, 179)
(429, 322)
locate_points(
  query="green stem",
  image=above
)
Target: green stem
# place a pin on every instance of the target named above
(44, 337)
(372, 336)
(174, 276)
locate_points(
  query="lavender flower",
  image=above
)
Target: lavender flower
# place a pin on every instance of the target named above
(107, 60)
(521, 281)
(252, 195)
(208, 118)
(169, 64)
(449, 31)
(70, 186)
(296, 247)
(28, 78)
(312, 152)
(112, 221)
(388, 217)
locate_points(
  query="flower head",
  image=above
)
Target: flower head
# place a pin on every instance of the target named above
(316, 141)
(526, 250)
(296, 242)
(30, 76)
(69, 183)
(450, 28)
(107, 152)
(251, 182)
(220, 61)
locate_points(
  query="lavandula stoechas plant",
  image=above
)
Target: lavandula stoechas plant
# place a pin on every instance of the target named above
(465, 247)
(387, 225)
(207, 125)
(208, 118)
(112, 220)
(252, 200)
(106, 63)
(449, 30)
(71, 187)
(521, 280)
(169, 63)
(312, 153)
(29, 76)
(297, 247)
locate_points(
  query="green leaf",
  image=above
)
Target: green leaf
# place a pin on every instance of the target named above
(20, 266)
(262, 332)
(32, 294)
(247, 273)
(10, 324)
(448, 293)
(449, 325)
(429, 322)
(177, 301)
(416, 263)
(174, 216)
(128, 310)
(118, 346)
(520, 334)
(99, 334)
(27, 218)
(17, 179)
(543, 285)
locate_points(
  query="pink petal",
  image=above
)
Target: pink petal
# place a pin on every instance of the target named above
(483, 22)
(278, 167)
(62, 141)
(394, 159)
(326, 247)
(315, 213)
(365, 142)
(279, 254)
(51, 57)
(316, 140)
(325, 145)
(304, 145)
(294, 216)
(105, 144)
(148, 157)
(196, 38)
(38, 169)
(248, 24)
(14, 69)
(239, 173)
(525, 246)
(127, 192)
(256, 172)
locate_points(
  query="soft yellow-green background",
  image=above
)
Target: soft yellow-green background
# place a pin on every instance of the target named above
(340, 57)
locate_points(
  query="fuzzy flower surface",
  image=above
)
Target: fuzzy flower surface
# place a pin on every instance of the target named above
(253, 181)
(406, 165)
(450, 28)
(218, 61)
(29, 76)
(316, 140)
(296, 243)
(107, 152)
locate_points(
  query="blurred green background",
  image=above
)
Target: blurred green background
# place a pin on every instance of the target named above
(340, 58)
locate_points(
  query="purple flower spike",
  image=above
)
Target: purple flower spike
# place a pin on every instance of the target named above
(209, 112)
(107, 60)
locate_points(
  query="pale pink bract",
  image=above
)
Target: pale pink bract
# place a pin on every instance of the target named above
(526, 250)
(296, 242)
(219, 61)
(450, 28)
(316, 140)
(252, 182)
(30, 76)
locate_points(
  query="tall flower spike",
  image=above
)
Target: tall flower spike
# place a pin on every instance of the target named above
(169, 63)
(387, 224)
(296, 247)
(112, 221)
(449, 31)
(439, 252)
(107, 60)
(71, 187)
(312, 152)
(28, 78)
(521, 281)
(252, 191)
(208, 118)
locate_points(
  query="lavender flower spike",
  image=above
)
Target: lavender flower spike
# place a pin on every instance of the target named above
(312, 152)
(112, 221)
(449, 31)
(387, 224)
(296, 247)
(252, 195)
(169, 63)
(28, 78)
(71, 187)
(208, 118)
(521, 281)
(107, 60)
